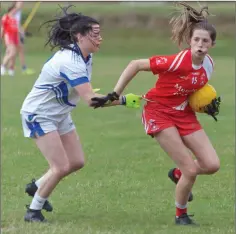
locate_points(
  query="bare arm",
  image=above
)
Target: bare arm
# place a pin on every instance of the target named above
(86, 92)
(129, 73)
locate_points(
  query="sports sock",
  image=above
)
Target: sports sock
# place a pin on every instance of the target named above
(39, 181)
(37, 202)
(180, 209)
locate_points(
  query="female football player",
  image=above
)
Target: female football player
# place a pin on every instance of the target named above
(64, 79)
(167, 117)
(10, 34)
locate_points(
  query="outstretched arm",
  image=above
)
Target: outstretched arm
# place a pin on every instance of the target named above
(86, 92)
(156, 64)
(129, 100)
(129, 73)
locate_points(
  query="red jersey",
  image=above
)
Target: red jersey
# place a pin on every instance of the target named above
(9, 24)
(178, 78)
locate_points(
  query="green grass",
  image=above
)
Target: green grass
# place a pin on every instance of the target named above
(124, 187)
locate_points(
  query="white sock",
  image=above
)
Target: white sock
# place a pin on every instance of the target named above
(37, 202)
(180, 206)
(11, 72)
(39, 181)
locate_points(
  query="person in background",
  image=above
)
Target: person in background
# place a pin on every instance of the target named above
(14, 18)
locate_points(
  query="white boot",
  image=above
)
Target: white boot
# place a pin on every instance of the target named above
(11, 72)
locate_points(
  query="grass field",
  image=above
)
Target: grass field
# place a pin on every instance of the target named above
(123, 189)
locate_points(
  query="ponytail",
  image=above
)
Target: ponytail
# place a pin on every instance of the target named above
(188, 20)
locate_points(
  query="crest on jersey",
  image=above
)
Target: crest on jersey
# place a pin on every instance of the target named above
(202, 79)
(161, 60)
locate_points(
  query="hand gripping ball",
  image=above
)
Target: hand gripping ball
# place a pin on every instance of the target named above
(202, 97)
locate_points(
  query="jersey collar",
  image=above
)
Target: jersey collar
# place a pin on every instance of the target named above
(78, 52)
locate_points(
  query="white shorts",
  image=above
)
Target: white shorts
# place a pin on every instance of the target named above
(38, 125)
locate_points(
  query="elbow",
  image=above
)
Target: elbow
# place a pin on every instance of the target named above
(138, 65)
(135, 65)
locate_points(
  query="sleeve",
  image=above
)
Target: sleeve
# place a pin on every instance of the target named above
(208, 65)
(75, 72)
(159, 63)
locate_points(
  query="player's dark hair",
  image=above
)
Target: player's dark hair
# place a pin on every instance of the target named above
(63, 29)
(188, 21)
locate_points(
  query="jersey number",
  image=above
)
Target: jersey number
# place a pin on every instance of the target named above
(194, 80)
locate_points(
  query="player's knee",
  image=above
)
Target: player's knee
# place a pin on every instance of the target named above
(77, 165)
(12, 54)
(213, 167)
(190, 172)
(61, 171)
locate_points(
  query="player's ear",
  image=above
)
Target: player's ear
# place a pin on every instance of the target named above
(78, 37)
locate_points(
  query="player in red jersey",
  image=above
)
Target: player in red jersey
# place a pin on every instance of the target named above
(167, 117)
(10, 33)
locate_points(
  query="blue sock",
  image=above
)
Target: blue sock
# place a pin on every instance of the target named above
(24, 67)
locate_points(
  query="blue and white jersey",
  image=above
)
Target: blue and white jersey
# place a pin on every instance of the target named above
(53, 92)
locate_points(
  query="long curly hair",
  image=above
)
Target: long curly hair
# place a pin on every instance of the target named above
(190, 19)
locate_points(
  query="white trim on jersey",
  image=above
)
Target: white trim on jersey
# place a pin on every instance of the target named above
(175, 60)
(180, 60)
(144, 122)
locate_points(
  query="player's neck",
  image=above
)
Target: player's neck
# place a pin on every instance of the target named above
(196, 61)
(83, 51)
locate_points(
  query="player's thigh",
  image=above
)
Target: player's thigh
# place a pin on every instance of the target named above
(73, 149)
(45, 133)
(199, 143)
(11, 50)
(171, 142)
(71, 142)
(52, 148)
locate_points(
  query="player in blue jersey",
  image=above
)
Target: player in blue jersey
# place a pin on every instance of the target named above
(64, 79)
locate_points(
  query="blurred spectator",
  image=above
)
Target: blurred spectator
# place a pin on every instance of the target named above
(13, 35)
